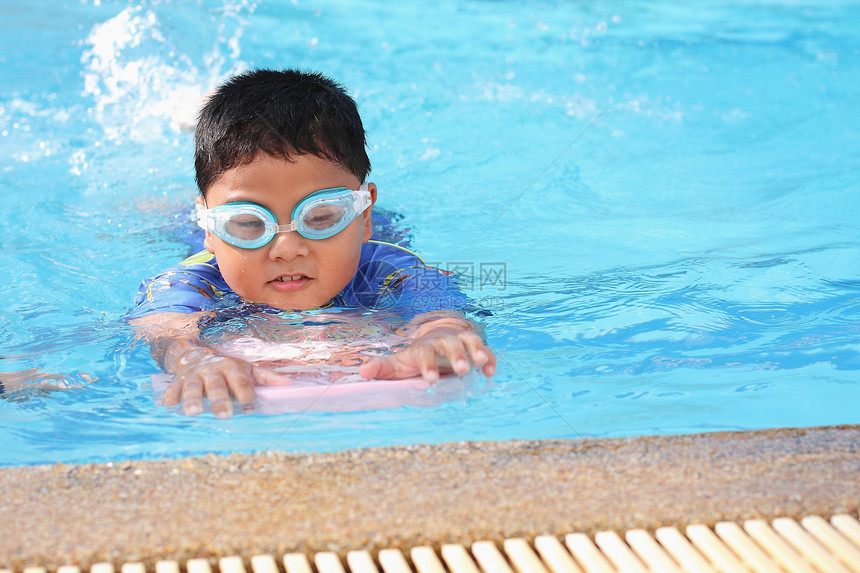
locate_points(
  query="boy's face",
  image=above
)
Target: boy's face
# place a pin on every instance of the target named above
(291, 272)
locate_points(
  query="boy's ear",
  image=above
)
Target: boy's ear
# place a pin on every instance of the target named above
(207, 239)
(368, 227)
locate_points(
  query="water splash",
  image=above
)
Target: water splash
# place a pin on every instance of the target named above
(146, 73)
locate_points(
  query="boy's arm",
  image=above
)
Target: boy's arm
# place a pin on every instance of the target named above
(198, 370)
(440, 341)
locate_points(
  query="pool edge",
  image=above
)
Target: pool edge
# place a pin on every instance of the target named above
(402, 496)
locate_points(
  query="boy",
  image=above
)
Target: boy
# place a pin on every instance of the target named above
(281, 165)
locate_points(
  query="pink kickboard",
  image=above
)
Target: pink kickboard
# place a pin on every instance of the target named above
(324, 378)
(349, 396)
(324, 371)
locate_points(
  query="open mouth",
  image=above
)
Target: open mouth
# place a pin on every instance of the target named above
(290, 278)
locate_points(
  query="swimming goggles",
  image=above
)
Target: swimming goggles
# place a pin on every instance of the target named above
(320, 215)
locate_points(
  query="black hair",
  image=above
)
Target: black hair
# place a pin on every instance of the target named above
(282, 113)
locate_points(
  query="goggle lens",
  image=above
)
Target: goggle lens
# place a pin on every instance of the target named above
(245, 227)
(323, 217)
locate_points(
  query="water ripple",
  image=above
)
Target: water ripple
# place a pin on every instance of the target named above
(767, 313)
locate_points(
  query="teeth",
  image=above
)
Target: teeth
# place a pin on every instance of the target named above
(290, 278)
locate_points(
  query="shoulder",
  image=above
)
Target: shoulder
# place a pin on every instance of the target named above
(204, 258)
(191, 285)
(376, 250)
(198, 268)
(386, 265)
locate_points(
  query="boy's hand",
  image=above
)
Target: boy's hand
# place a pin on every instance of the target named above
(202, 373)
(442, 345)
(199, 371)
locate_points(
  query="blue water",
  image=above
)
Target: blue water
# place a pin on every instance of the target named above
(657, 201)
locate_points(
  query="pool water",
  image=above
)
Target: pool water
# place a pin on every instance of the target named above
(656, 203)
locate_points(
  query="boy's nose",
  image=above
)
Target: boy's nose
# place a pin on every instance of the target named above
(288, 246)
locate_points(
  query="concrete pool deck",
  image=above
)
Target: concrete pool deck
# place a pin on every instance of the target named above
(276, 503)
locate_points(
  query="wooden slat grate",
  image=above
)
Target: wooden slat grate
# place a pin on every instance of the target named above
(812, 545)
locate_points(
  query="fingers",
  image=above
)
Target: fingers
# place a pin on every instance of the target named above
(191, 396)
(482, 357)
(453, 349)
(220, 380)
(173, 394)
(430, 358)
(466, 351)
(219, 397)
(414, 361)
(373, 368)
(266, 377)
(392, 367)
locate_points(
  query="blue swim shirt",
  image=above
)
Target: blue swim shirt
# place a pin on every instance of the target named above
(388, 277)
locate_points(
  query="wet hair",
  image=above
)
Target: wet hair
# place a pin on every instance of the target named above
(282, 113)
